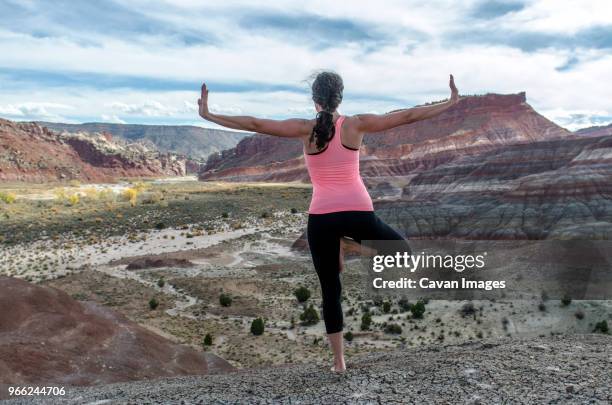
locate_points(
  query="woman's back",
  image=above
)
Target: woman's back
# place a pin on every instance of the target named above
(334, 172)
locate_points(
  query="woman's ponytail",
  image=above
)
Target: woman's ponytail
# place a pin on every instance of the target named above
(323, 130)
(327, 91)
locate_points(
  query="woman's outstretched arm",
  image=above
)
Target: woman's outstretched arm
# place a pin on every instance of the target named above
(290, 128)
(369, 123)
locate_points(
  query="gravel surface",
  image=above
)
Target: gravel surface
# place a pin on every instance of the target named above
(574, 369)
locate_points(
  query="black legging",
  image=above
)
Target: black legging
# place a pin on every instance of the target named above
(324, 233)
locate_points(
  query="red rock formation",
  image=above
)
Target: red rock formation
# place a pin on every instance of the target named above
(46, 337)
(29, 152)
(477, 124)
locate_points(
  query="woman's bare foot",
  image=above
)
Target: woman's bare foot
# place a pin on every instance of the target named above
(338, 368)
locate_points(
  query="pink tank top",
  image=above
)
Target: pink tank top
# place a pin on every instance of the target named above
(337, 184)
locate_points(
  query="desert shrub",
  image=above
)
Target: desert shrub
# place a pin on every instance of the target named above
(418, 310)
(265, 214)
(8, 197)
(257, 327)
(153, 303)
(566, 300)
(161, 282)
(60, 194)
(579, 314)
(602, 327)
(131, 195)
(467, 309)
(349, 336)
(386, 307)
(302, 294)
(505, 323)
(404, 304)
(160, 226)
(294, 210)
(73, 199)
(393, 328)
(153, 198)
(366, 321)
(208, 340)
(225, 215)
(542, 307)
(140, 186)
(225, 300)
(91, 194)
(544, 296)
(310, 316)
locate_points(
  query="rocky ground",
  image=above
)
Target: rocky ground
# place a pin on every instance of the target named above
(554, 370)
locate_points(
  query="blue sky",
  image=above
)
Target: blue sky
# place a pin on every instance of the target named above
(143, 61)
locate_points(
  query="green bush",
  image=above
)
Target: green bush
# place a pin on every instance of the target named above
(225, 215)
(310, 316)
(225, 300)
(418, 310)
(366, 321)
(153, 304)
(349, 336)
(404, 304)
(294, 210)
(161, 282)
(566, 300)
(386, 307)
(208, 340)
(302, 294)
(602, 327)
(257, 327)
(393, 328)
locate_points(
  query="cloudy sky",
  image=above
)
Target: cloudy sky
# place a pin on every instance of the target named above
(143, 61)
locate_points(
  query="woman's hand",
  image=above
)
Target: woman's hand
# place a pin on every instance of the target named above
(454, 98)
(203, 102)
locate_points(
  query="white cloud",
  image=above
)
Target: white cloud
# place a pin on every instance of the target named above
(34, 110)
(112, 118)
(406, 70)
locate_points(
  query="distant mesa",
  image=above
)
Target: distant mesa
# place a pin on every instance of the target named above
(195, 143)
(476, 125)
(47, 337)
(32, 153)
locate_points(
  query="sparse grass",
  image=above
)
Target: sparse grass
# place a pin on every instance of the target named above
(25, 219)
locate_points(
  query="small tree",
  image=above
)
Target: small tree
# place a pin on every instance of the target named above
(366, 321)
(602, 327)
(393, 328)
(208, 340)
(257, 326)
(302, 294)
(153, 303)
(310, 316)
(225, 300)
(404, 304)
(566, 300)
(418, 310)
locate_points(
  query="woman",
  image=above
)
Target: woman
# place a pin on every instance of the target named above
(340, 205)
